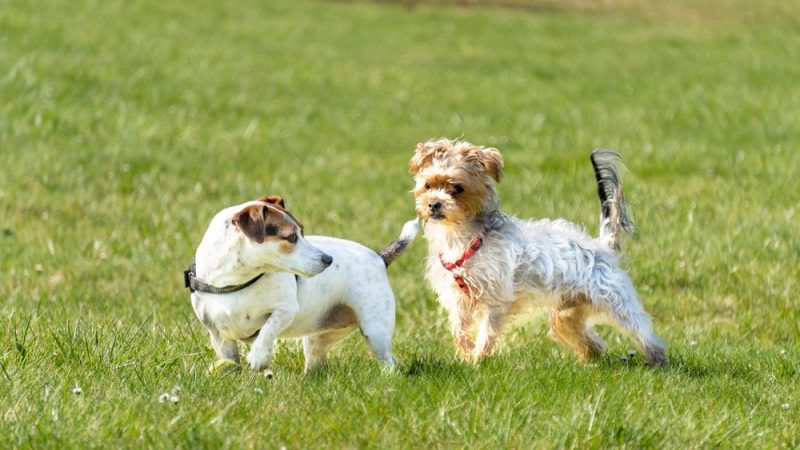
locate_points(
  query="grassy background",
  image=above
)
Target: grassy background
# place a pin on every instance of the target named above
(124, 126)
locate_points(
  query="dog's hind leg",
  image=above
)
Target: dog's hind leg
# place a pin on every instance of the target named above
(568, 325)
(379, 339)
(316, 347)
(377, 326)
(623, 308)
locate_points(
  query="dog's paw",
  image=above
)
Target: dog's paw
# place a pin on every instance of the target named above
(259, 358)
(389, 367)
(222, 366)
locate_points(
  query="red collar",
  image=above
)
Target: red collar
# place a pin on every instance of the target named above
(455, 267)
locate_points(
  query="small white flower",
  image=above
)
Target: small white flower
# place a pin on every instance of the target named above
(631, 353)
(785, 406)
(259, 390)
(175, 389)
(174, 399)
(163, 397)
(692, 343)
(783, 352)
(77, 390)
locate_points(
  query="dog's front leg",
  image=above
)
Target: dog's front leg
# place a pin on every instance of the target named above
(225, 348)
(263, 347)
(461, 325)
(489, 331)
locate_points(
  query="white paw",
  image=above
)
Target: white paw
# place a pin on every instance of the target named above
(389, 367)
(259, 358)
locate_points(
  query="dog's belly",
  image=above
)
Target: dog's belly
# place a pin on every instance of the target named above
(526, 305)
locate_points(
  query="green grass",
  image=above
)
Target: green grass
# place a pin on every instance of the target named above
(124, 126)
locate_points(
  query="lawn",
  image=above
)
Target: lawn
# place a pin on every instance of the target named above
(126, 125)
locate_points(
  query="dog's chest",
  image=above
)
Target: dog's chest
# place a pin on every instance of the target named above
(233, 319)
(239, 315)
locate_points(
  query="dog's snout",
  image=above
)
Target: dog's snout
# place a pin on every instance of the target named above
(435, 206)
(326, 259)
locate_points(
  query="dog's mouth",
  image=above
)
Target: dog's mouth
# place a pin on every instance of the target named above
(437, 216)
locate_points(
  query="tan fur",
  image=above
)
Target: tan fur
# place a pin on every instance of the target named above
(442, 165)
(568, 325)
(254, 220)
(338, 317)
(275, 200)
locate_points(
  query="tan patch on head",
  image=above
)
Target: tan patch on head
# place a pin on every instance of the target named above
(278, 202)
(457, 174)
(274, 200)
(266, 222)
(447, 153)
(338, 317)
(251, 221)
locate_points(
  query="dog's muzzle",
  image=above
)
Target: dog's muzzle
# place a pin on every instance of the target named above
(435, 209)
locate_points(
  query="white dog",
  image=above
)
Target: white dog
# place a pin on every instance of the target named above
(245, 285)
(489, 266)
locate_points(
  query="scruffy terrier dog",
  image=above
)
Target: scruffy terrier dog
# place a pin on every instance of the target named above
(492, 268)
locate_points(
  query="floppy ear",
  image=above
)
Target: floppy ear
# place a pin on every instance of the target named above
(278, 201)
(492, 162)
(423, 156)
(274, 200)
(252, 221)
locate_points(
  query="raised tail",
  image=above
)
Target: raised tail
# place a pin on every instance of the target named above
(613, 215)
(396, 248)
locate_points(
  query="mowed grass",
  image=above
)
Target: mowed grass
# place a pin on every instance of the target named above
(125, 126)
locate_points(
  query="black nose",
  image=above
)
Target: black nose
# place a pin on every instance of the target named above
(435, 206)
(327, 259)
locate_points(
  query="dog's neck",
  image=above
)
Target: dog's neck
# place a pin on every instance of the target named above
(451, 240)
(224, 262)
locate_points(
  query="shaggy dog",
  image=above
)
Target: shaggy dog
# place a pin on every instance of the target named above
(492, 268)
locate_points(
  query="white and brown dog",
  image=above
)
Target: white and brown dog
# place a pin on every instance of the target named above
(256, 278)
(487, 266)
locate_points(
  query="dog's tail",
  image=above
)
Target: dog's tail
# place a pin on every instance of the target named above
(613, 214)
(396, 248)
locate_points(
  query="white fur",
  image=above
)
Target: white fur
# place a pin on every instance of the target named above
(535, 263)
(281, 305)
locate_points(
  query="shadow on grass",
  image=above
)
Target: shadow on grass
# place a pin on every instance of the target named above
(435, 366)
(701, 366)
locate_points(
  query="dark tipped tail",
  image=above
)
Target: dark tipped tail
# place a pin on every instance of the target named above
(614, 217)
(396, 248)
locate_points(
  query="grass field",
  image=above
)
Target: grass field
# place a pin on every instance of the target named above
(124, 126)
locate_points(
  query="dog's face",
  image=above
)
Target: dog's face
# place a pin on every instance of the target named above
(273, 237)
(455, 180)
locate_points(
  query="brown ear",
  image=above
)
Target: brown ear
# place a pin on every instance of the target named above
(275, 200)
(424, 155)
(252, 221)
(492, 162)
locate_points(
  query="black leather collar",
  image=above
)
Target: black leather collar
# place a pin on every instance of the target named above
(191, 281)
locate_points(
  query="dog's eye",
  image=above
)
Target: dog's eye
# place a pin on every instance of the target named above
(292, 238)
(427, 186)
(458, 189)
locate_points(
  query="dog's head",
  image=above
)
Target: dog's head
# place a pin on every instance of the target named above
(273, 237)
(455, 180)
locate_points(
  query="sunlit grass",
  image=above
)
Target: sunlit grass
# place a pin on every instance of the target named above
(124, 126)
